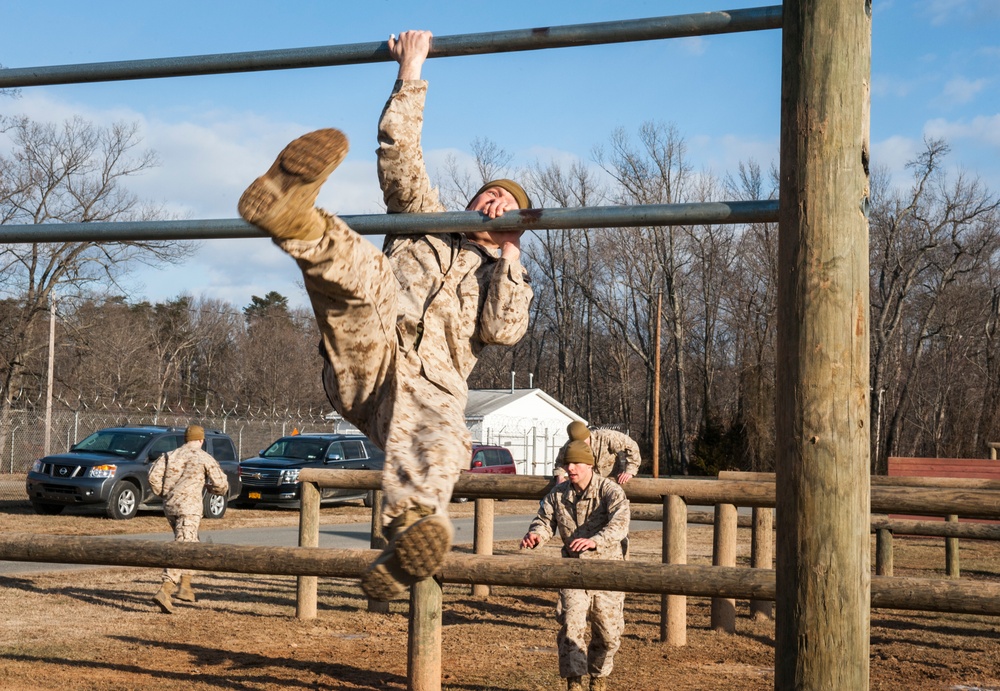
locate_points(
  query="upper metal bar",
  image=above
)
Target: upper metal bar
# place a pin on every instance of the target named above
(409, 224)
(677, 26)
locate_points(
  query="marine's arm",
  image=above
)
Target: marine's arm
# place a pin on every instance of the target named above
(217, 481)
(543, 526)
(504, 318)
(619, 514)
(402, 172)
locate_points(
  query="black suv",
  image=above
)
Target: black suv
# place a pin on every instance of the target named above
(111, 467)
(273, 476)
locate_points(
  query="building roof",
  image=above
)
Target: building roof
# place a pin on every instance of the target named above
(482, 402)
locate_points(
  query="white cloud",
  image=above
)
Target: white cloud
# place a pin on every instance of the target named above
(945, 11)
(960, 90)
(982, 129)
(894, 153)
(891, 87)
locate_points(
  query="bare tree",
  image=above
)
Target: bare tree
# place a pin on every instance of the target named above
(75, 172)
(650, 260)
(922, 242)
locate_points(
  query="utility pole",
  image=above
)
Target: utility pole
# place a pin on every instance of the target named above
(656, 391)
(47, 448)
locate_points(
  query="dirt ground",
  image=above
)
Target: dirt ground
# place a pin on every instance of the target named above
(97, 629)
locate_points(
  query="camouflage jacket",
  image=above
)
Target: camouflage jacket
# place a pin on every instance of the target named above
(600, 513)
(455, 297)
(181, 476)
(614, 453)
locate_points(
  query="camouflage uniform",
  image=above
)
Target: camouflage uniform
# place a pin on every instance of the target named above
(600, 513)
(614, 452)
(402, 329)
(180, 478)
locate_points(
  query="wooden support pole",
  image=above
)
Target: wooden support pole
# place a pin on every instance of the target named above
(762, 556)
(378, 542)
(723, 615)
(951, 552)
(673, 625)
(423, 662)
(822, 448)
(883, 552)
(482, 539)
(306, 586)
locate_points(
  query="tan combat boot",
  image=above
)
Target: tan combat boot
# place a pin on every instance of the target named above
(162, 597)
(184, 592)
(574, 683)
(283, 200)
(598, 683)
(418, 541)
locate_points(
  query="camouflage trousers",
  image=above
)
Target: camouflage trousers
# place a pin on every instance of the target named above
(371, 381)
(604, 610)
(185, 527)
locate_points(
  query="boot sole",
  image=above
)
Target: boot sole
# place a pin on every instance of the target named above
(422, 547)
(295, 177)
(385, 580)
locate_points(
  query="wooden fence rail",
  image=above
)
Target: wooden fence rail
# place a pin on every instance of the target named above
(924, 594)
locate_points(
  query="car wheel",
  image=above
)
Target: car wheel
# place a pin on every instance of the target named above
(215, 505)
(123, 502)
(369, 498)
(47, 509)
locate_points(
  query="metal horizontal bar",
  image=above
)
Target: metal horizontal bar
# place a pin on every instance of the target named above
(410, 224)
(677, 26)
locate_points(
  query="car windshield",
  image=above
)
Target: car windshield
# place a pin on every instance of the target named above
(118, 442)
(298, 448)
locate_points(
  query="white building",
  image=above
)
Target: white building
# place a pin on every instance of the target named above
(529, 422)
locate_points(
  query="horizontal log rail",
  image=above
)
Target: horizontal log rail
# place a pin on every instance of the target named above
(884, 480)
(924, 594)
(925, 501)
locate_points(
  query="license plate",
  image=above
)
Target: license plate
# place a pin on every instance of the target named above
(254, 495)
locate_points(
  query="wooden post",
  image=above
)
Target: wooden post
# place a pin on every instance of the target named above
(306, 586)
(762, 556)
(951, 553)
(482, 539)
(423, 665)
(378, 541)
(883, 552)
(724, 554)
(673, 626)
(822, 356)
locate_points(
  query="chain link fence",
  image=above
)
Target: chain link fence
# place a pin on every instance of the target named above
(22, 439)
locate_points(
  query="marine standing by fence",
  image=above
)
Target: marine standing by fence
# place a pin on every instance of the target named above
(616, 455)
(591, 515)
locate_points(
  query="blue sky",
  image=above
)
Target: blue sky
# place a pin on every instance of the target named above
(935, 72)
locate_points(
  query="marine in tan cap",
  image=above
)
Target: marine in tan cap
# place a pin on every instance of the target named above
(401, 329)
(591, 515)
(181, 478)
(616, 454)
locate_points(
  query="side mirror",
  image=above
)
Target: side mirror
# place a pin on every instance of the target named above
(333, 457)
(477, 464)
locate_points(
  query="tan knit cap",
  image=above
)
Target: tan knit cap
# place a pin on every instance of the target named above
(194, 433)
(579, 452)
(577, 431)
(523, 201)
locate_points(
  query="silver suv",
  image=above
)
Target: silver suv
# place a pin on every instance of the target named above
(111, 468)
